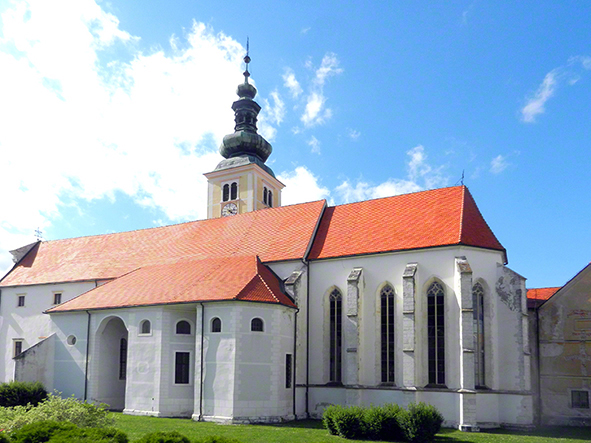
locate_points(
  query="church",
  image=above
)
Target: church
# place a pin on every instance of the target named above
(267, 313)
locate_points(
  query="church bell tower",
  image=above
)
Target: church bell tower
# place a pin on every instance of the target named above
(242, 182)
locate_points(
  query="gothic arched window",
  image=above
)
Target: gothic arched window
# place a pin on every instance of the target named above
(226, 193)
(336, 332)
(183, 327)
(387, 333)
(436, 333)
(270, 199)
(256, 325)
(145, 327)
(265, 195)
(216, 325)
(478, 309)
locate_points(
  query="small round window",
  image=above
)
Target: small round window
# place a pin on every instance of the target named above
(71, 340)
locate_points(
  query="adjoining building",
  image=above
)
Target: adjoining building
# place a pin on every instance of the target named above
(265, 312)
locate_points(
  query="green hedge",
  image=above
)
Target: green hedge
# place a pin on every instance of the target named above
(61, 432)
(21, 393)
(164, 437)
(419, 423)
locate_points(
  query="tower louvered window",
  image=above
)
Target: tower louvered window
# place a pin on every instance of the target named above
(226, 193)
(234, 191)
(270, 199)
(436, 333)
(478, 309)
(336, 332)
(387, 333)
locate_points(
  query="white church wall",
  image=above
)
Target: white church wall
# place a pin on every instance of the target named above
(28, 323)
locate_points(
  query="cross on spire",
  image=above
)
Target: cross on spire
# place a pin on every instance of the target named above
(247, 60)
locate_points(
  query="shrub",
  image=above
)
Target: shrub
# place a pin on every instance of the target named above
(421, 422)
(218, 439)
(4, 438)
(328, 416)
(89, 435)
(164, 437)
(382, 423)
(57, 409)
(40, 431)
(21, 393)
(349, 422)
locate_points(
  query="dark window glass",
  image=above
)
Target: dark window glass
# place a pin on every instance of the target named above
(21, 300)
(18, 348)
(216, 325)
(123, 359)
(270, 199)
(181, 368)
(145, 327)
(265, 195)
(336, 330)
(288, 370)
(580, 399)
(234, 191)
(57, 298)
(256, 325)
(226, 193)
(183, 327)
(478, 309)
(436, 334)
(387, 326)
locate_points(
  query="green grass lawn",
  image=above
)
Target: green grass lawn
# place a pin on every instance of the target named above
(311, 431)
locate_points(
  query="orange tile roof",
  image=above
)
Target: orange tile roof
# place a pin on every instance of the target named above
(537, 296)
(447, 216)
(242, 278)
(276, 234)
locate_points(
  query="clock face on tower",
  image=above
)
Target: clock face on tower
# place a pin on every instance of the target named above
(229, 209)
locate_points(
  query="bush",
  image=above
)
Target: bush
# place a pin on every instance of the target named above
(57, 409)
(218, 439)
(382, 423)
(89, 435)
(328, 418)
(40, 432)
(4, 438)
(164, 437)
(21, 393)
(349, 422)
(421, 422)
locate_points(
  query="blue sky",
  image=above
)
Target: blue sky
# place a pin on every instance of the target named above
(111, 112)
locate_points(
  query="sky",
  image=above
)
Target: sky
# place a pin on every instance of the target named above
(111, 111)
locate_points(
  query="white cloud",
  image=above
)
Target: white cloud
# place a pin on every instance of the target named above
(301, 185)
(353, 134)
(315, 110)
(290, 82)
(78, 125)
(271, 114)
(535, 105)
(314, 143)
(498, 164)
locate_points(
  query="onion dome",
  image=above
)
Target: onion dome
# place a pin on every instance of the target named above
(245, 141)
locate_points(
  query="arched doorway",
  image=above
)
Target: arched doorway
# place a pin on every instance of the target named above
(111, 374)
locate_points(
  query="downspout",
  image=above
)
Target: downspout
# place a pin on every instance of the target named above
(307, 338)
(295, 361)
(87, 354)
(538, 364)
(201, 363)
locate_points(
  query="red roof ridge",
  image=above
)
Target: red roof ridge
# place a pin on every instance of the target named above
(462, 207)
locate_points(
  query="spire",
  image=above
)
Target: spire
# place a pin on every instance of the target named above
(245, 140)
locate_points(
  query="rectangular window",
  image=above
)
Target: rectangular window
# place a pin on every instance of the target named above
(57, 298)
(18, 348)
(21, 301)
(580, 399)
(181, 368)
(288, 371)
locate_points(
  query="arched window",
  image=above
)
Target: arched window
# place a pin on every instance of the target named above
(145, 327)
(270, 199)
(216, 325)
(436, 333)
(234, 191)
(226, 193)
(256, 325)
(123, 359)
(478, 309)
(387, 333)
(265, 195)
(336, 332)
(183, 327)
